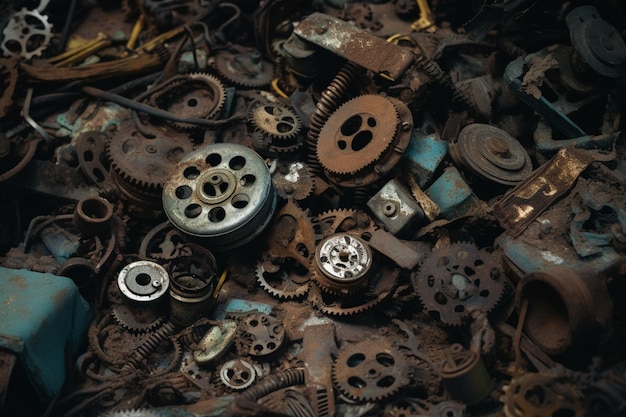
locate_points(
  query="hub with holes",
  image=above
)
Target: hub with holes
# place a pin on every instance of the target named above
(222, 193)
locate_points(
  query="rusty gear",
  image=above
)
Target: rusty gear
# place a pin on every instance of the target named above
(26, 35)
(136, 321)
(357, 134)
(341, 264)
(352, 221)
(198, 95)
(456, 280)
(294, 180)
(278, 122)
(381, 286)
(370, 370)
(292, 235)
(260, 335)
(284, 281)
(542, 396)
(141, 165)
(246, 69)
(364, 139)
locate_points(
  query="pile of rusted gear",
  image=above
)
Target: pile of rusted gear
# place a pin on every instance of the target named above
(324, 208)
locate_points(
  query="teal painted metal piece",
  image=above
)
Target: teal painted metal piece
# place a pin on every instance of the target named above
(42, 315)
(452, 195)
(237, 305)
(424, 154)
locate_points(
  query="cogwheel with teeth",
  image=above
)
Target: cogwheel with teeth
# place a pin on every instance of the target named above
(364, 139)
(370, 370)
(357, 134)
(293, 180)
(275, 129)
(26, 35)
(245, 69)
(285, 281)
(136, 321)
(140, 165)
(260, 336)
(455, 280)
(199, 95)
(356, 222)
(381, 286)
(275, 120)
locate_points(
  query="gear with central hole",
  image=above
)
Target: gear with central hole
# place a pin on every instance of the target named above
(370, 370)
(456, 280)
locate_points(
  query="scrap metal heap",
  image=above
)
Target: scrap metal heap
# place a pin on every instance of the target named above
(313, 208)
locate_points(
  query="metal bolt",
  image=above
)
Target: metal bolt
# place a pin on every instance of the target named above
(498, 146)
(151, 149)
(389, 209)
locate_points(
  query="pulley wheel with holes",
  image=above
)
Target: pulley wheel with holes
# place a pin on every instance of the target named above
(222, 193)
(370, 370)
(357, 134)
(492, 154)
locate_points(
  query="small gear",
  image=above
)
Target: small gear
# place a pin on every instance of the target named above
(294, 180)
(455, 280)
(246, 69)
(27, 34)
(199, 95)
(356, 222)
(284, 281)
(260, 335)
(140, 164)
(370, 370)
(279, 122)
(136, 321)
(357, 134)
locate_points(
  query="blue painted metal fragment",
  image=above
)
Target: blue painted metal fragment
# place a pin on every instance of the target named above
(424, 154)
(42, 315)
(452, 195)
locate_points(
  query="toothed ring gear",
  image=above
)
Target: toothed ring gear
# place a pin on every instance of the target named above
(197, 95)
(370, 370)
(275, 127)
(364, 139)
(455, 280)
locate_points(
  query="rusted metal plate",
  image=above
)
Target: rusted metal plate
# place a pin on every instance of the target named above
(356, 45)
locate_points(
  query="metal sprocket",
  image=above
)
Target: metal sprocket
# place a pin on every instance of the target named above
(199, 95)
(245, 69)
(455, 280)
(278, 122)
(370, 370)
(26, 35)
(284, 281)
(357, 134)
(143, 163)
(140, 322)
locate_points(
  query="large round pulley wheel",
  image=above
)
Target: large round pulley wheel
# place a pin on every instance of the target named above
(492, 154)
(222, 193)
